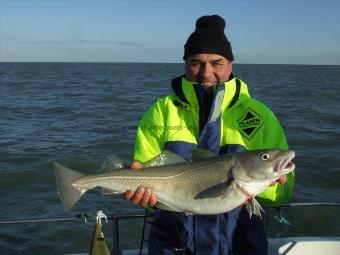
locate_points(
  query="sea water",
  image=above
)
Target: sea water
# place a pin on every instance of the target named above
(80, 113)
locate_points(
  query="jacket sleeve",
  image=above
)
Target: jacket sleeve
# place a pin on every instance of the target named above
(274, 138)
(149, 140)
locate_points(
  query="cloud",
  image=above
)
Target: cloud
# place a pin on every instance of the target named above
(120, 43)
(67, 42)
(129, 43)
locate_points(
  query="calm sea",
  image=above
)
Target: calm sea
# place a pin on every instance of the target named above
(80, 113)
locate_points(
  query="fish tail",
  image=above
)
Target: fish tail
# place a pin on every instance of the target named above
(68, 192)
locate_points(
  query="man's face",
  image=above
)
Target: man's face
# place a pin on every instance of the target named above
(207, 69)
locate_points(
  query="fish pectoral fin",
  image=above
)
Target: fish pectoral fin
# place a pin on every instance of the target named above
(201, 154)
(221, 190)
(165, 158)
(253, 207)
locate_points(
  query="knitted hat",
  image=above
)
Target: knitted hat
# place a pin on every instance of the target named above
(209, 38)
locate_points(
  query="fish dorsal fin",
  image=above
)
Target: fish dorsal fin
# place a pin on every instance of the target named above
(113, 162)
(202, 154)
(165, 158)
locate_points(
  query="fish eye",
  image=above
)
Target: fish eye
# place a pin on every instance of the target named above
(265, 156)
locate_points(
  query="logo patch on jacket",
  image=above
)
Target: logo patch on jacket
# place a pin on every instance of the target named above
(250, 123)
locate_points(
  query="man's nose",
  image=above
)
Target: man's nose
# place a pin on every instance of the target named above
(206, 71)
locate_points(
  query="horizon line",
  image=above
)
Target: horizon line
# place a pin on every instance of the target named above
(141, 62)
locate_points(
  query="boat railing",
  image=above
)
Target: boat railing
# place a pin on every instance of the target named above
(115, 218)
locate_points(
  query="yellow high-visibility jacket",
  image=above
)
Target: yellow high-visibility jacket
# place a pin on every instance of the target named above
(236, 122)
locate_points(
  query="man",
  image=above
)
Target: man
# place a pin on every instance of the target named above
(209, 108)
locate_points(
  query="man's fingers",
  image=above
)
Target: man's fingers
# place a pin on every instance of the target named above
(282, 180)
(145, 199)
(152, 200)
(128, 194)
(136, 165)
(141, 196)
(138, 195)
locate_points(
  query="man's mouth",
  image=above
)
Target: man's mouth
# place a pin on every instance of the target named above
(206, 84)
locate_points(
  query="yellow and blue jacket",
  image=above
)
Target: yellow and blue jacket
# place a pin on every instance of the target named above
(236, 122)
(241, 123)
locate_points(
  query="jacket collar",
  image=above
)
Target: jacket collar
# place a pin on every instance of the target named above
(235, 92)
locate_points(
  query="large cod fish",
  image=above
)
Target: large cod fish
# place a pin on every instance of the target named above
(209, 185)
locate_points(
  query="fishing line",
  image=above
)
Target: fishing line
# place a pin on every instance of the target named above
(194, 223)
(143, 231)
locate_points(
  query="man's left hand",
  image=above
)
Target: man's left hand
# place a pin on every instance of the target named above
(282, 180)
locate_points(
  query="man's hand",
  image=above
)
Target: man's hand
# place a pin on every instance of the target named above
(141, 196)
(282, 180)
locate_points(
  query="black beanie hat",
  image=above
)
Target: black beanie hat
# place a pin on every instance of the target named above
(209, 38)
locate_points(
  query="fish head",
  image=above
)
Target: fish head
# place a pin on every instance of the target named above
(263, 165)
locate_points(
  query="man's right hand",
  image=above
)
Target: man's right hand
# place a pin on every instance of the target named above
(141, 195)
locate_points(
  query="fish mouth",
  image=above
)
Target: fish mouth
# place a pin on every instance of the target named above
(286, 165)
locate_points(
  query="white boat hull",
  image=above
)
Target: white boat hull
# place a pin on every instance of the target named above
(304, 245)
(284, 246)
